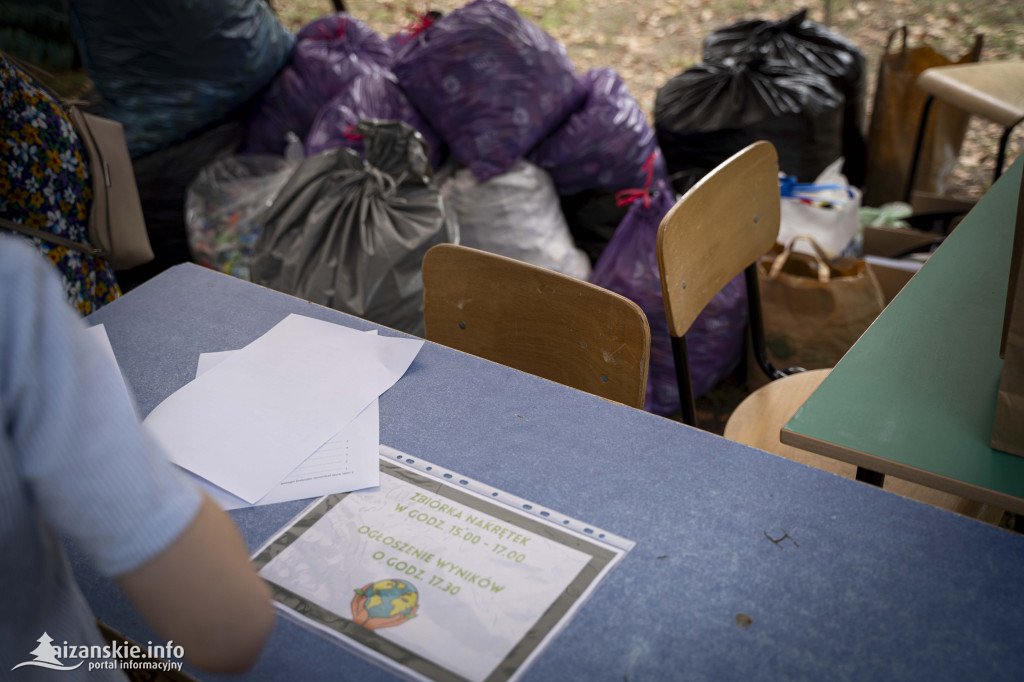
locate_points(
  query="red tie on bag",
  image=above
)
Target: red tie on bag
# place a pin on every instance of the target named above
(626, 197)
(420, 24)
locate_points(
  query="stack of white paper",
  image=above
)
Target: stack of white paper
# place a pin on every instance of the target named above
(344, 463)
(292, 415)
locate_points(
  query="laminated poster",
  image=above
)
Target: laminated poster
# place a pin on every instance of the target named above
(436, 576)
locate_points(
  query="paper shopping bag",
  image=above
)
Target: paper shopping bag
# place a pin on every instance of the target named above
(896, 115)
(814, 311)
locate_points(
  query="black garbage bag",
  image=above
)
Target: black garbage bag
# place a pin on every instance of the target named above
(592, 218)
(169, 69)
(714, 109)
(351, 234)
(805, 44)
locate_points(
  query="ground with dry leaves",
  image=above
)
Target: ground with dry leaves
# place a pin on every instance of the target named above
(649, 42)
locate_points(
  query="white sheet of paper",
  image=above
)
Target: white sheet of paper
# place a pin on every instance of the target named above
(348, 461)
(97, 335)
(251, 420)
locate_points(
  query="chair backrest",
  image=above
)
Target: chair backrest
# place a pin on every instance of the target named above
(718, 229)
(536, 320)
(722, 225)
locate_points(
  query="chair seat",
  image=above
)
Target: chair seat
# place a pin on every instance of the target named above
(756, 422)
(992, 90)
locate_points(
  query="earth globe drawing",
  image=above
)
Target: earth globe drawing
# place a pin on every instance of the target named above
(389, 598)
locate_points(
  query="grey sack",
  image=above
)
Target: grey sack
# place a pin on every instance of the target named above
(350, 234)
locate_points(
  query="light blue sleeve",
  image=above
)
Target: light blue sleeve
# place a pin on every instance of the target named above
(85, 460)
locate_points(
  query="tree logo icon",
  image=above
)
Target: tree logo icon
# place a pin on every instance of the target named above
(47, 656)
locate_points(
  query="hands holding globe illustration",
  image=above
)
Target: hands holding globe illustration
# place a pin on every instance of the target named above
(384, 604)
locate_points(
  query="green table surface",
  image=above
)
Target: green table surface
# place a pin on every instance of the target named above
(915, 396)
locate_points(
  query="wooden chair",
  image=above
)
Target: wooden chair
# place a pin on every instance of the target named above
(721, 227)
(538, 321)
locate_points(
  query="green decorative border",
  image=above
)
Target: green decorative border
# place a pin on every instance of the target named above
(600, 557)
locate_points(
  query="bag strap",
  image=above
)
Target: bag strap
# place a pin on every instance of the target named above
(46, 236)
(902, 31)
(38, 77)
(979, 42)
(824, 271)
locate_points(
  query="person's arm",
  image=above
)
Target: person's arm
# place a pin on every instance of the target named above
(95, 476)
(203, 594)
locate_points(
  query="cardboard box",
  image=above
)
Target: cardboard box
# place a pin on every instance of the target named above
(928, 202)
(893, 274)
(938, 213)
(896, 242)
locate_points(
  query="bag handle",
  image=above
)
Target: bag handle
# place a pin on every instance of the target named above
(902, 30)
(46, 236)
(824, 271)
(979, 42)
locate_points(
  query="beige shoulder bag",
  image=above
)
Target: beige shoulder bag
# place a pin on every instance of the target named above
(117, 229)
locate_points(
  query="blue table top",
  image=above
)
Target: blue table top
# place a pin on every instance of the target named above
(868, 585)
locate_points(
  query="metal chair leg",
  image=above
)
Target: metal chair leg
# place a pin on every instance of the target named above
(918, 144)
(682, 364)
(1001, 157)
(755, 322)
(870, 477)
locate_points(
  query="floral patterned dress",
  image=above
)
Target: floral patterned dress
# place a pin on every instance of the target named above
(44, 183)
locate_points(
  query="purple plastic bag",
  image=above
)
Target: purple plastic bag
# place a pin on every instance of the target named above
(358, 37)
(371, 96)
(717, 338)
(331, 53)
(601, 147)
(490, 83)
(715, 342)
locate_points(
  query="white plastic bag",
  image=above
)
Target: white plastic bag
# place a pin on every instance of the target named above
(224, 203)
(516, 214)
(826, 210)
